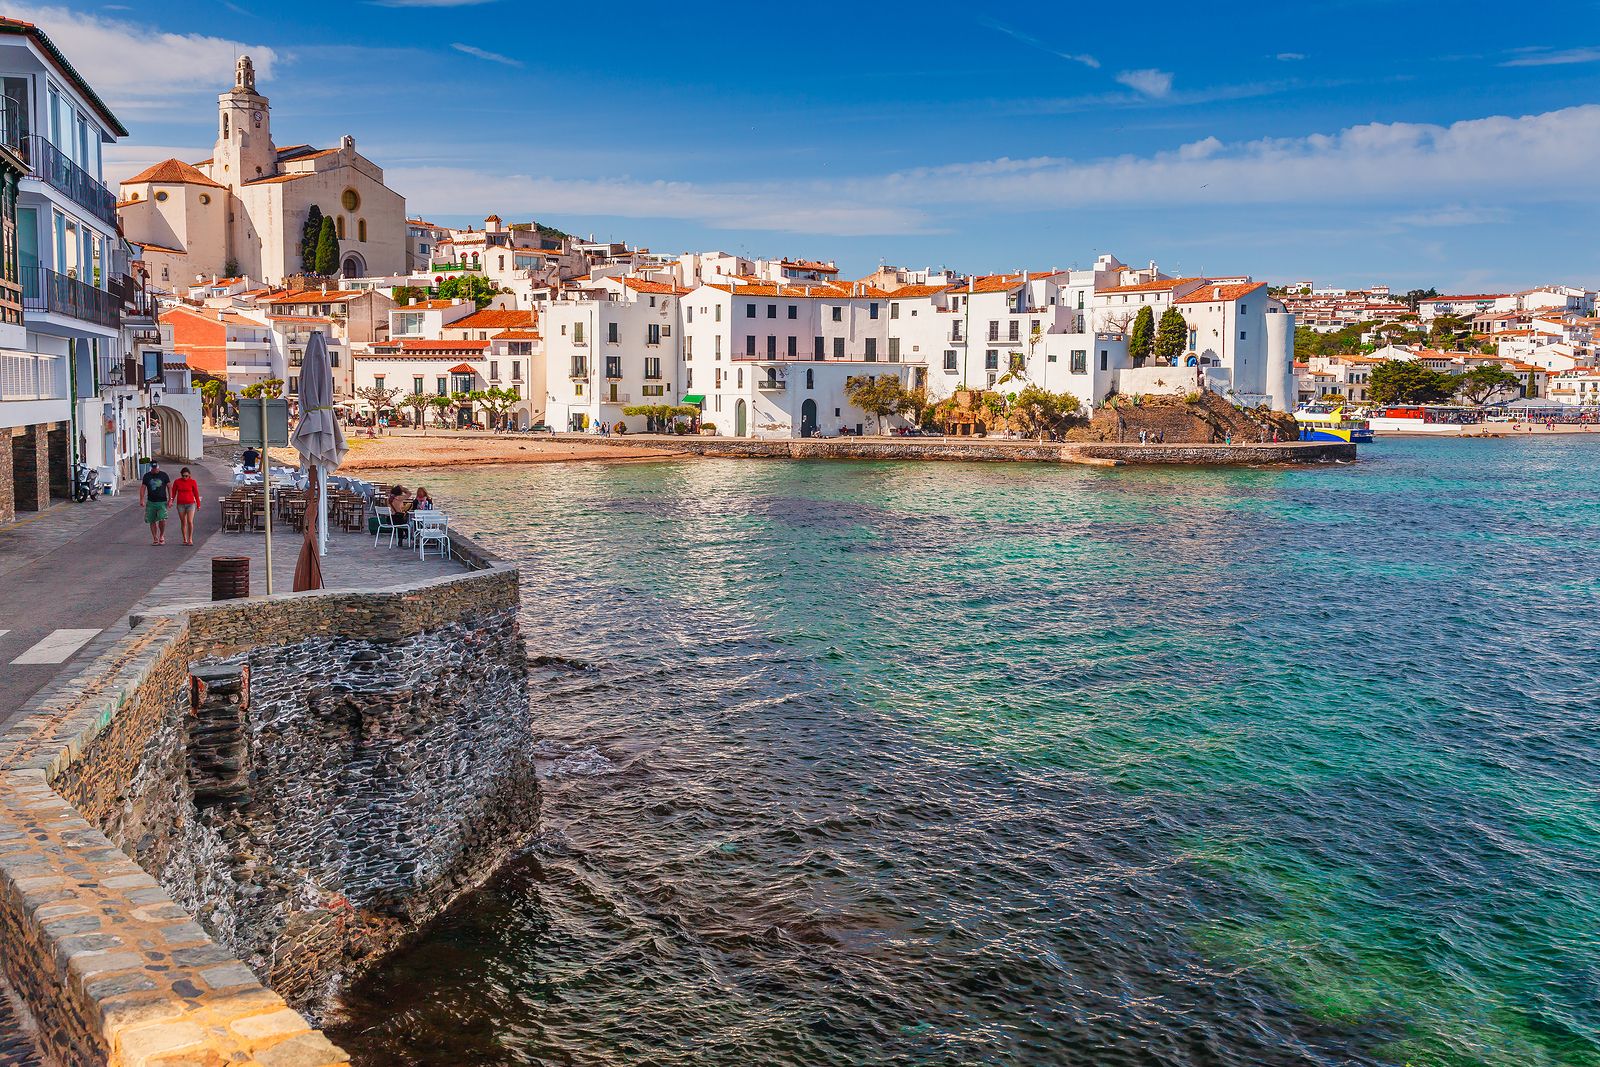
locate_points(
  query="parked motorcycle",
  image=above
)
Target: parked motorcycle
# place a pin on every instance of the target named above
(85, 483)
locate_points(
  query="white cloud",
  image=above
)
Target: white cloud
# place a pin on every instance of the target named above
(1290, 57)
(479, 53)
(429, 3)
(136, 68)
(1150, 82)
(1497, 161)
(1546, 58)
(1080, 57)
(1456, 215)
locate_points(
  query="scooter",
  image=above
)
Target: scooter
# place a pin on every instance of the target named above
(85, 483)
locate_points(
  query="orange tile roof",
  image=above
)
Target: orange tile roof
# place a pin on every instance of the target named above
(1151, 287)
(313, 296)
(806, 290)
(427, 305)
(640, 285)
(516, 335)
(415, 344)
(494, 319)
(171, 172)
(1209, 293)
(906, 291)
(1472, 296)
(463, 368)
(809, 264)
(151, 246)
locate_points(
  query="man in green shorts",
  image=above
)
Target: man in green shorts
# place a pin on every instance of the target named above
(153, 495)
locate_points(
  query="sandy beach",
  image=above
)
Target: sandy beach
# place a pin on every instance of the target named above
(406, 449)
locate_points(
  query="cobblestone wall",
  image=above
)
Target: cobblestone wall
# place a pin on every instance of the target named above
(335, 770)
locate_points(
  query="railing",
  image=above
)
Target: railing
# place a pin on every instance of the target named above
(45, 290)
(54, 167)
(11, 126)
(772, 383)
(32, 376)
(580, 369)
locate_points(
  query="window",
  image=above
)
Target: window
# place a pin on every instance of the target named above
(872, 350)
(1241, 335)
(516, 370)
(1015, 327)
(612, 330)
(772, 311)
(339, 225)
(994, 330)
(1080, 361)
(654, 390)
(894, 350)
(1244, 310)
(577, 388)
(872, 310)
(811, 382)
(750, 345)
(688, 347)
(772, 346)
(494, 370)
(652, 333)
(794, 346)
(949, 361)
(688, 378)
(991, 360)
(205, 198)
(613, 366)
(361, 235)
(652, 366)
(819, 352)
(351, 200)
(1051, 358)
(577, 333)
(838, 314)
(719, 313)
(739, 382)
(161, 194)
(1104, 358)
(794, 311)
(749, 311)
(838, 348)
(718, 353)
(894, 311)
(442, 385)
(294, 385)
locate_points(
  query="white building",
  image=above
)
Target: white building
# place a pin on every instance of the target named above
(610, 345)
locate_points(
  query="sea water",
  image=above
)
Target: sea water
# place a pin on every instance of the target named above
(929, 763)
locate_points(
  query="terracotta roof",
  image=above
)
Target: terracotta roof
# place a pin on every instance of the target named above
(810, 264)
(48, 47)
(150, 246)
(806, 290)
(415, 344)
(463, 368)
(640, 285)
(1473, 296)
(312, 296)
(289, 149)
(1209, 293)
(494, 319)
(297, 318)
(516, 335)
(917, 290)
(279, 179)
(1151, 287)
(239, 320)
(171, 172)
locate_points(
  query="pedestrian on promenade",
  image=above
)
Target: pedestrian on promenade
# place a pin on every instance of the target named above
(153, 495)
(251, 460)
(186, 498)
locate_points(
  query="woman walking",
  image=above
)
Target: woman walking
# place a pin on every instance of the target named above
(186, 497)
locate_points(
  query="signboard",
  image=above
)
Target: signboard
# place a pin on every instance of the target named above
(277, 422)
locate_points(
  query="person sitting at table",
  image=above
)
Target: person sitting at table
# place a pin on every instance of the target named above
(423, 501)
(252, 460)
(401, 505)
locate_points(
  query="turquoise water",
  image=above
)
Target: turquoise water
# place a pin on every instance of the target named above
(873, 763)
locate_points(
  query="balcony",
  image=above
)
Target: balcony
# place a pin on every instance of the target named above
(580, 369)
(773, 383)
(52, 166)
(11, 126)
(46, 291)
(32, 376)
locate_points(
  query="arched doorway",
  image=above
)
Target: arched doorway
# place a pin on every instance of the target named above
(176, 434)
(808, 418)
(354, 265)
(738, 419)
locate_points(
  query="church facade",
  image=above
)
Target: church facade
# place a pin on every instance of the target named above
(242, 212)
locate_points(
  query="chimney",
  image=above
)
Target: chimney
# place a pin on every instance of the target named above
(1216, 292)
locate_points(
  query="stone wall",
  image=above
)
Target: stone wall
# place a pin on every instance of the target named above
(1002, 450)
(267, 791)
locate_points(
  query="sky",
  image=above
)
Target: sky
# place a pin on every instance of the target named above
(1345, 142)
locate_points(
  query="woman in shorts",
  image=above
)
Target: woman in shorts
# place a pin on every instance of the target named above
(186, 498)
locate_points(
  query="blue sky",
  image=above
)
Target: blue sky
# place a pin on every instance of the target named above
(1348, 142)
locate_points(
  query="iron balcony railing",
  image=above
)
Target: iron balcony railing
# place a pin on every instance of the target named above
(45, 290)
(56, 169)
(11, 127)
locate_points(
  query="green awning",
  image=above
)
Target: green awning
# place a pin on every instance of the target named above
(697, 399)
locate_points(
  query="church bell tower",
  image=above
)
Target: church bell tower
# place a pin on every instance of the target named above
(244, 150)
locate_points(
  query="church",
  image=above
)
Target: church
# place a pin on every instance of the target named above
(242, 212)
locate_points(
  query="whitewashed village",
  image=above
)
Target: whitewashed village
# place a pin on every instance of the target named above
(138, 314)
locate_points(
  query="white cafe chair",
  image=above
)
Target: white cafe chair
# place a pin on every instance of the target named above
(431, 528)
(386, 525)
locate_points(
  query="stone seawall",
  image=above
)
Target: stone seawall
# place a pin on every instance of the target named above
(971, 450)
(257, 793)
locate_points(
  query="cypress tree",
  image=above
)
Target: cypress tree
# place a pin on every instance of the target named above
(310, 234)
(328, 250)
(1143, 336)
(1171, 337)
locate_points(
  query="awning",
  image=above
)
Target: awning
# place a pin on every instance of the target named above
(697, 399)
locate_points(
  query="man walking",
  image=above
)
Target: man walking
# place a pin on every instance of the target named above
(153, 495)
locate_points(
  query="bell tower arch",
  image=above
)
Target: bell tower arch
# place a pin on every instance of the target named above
(244, 150)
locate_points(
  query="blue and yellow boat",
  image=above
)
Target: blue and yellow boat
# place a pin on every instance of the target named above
(1332, 426)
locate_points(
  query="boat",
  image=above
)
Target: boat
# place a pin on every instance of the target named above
(1430, 419)
(1321, 424)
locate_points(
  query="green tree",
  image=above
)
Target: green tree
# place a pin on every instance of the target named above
(915, 405)
(878, 396)
(328, 249)
(1036, 411)
(378, 397)
(497, 402)
(271, 388)
(418, 403)
(443, 406)
(1409, 381)
(310, 234)
(404, 294)
(474, 287)
(1482, 382)
(213, 395)
(1417, 296)
(1172, 336)
(1143, 337)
